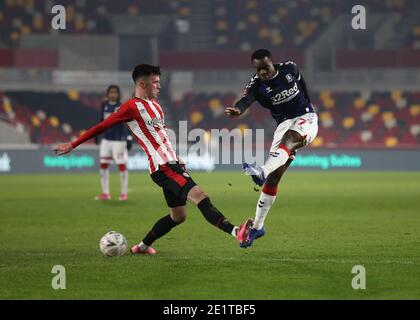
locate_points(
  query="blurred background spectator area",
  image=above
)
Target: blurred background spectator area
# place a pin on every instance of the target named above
(346, 119)
(364, 83)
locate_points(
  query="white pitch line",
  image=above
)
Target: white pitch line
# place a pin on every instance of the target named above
(415, 261)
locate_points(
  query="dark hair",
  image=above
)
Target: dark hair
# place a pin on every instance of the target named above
(261, 54)
(145, 70)
(114, 86)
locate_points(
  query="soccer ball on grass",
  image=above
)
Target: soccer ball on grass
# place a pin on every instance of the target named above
(113, 244)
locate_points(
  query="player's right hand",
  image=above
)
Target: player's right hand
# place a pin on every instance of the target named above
(232, 111)
(63, 148)
(182, 163)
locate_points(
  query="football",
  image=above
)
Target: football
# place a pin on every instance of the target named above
(113, 244)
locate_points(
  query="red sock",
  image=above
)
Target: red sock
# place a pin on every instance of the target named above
(271, 191)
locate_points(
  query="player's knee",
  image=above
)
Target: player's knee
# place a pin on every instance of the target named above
(104, 166)
(292, 140)
(122, 167)
(178, 215)
(196, 195)
(201, 195)
(181, 219)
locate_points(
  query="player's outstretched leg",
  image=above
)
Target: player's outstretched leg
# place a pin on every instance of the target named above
(104, 175)
(265, 202)
(216, 218)
(291, 141)
(163, 226)
(123, 182)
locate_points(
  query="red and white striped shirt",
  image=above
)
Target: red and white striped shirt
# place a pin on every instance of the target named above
(146, 121)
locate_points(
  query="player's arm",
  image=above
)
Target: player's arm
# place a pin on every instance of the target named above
(304, 87)
(129, 138)
(245, 102)
(301, 81)
(124, 113)
(100, 120)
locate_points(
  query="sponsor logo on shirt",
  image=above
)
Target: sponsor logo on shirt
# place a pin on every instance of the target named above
(156, 122)
(285, 95)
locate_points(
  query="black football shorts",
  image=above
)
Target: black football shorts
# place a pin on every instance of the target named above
(175, 183)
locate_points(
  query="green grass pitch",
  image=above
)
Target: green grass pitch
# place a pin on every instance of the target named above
(322, 224)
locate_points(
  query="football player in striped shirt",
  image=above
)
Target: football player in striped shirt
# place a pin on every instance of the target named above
(145, 119)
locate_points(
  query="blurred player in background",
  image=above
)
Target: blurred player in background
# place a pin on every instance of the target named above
(144, 116)
(281, 89)
(114, 146)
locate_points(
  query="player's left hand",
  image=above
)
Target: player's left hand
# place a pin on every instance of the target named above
(63, 148)
(232, 111)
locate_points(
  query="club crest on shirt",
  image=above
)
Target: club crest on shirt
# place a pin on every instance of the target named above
(289, 77)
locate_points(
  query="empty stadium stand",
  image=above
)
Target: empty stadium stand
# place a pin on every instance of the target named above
(346, 119)
(220, 24)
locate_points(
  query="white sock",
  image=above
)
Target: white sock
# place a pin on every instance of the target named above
(275, 160)
(104, 173)
(142, 246)
(265, 202)
(124, 181)
(234, 232)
